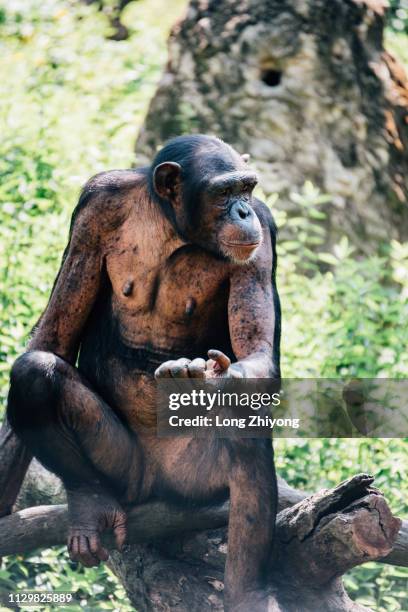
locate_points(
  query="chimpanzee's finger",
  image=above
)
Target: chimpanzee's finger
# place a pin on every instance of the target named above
(222, 361)
(96, 548)
(73, 548)
(196, 368)
(119, 531)
(164, 370)
(85, 556)
(180, 368)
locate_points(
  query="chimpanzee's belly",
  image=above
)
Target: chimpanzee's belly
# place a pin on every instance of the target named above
(121, 369)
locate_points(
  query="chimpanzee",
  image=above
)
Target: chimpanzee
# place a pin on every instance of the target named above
(169, 272)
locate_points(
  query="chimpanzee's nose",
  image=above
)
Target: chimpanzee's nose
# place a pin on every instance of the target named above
(245, 227)
(243, 211)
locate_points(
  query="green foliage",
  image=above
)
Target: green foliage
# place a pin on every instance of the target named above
(397, 44)
(51, 570)
(348, 319)
(398, 15)
(71, 105)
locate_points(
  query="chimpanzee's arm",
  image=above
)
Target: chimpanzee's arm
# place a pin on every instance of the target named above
(254, 310)
(75, 289)
(57, 331)
(98, 214)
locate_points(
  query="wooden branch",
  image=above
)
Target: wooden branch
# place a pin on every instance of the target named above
(319, 538)
(175, 559)
(399, 553)
(328, 533)
(45, 526)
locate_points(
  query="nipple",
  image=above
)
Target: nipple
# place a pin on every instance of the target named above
(127, 288)
(190, 306)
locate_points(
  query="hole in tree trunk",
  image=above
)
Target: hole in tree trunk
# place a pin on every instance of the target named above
(270, 77)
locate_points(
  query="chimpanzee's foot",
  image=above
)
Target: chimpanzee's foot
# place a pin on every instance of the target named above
(90, 513)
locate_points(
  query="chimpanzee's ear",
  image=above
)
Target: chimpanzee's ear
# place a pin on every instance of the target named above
(167, 179)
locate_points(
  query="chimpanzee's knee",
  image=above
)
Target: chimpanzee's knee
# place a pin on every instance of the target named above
(34, 391)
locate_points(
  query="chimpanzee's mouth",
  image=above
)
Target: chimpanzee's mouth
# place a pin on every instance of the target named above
(240, 252)
(244, 245)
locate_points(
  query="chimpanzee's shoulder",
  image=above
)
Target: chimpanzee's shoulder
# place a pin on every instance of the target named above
(112, 182)
(106, 198)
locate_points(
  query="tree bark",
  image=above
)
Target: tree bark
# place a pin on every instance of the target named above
(175, 558)
(308, 90)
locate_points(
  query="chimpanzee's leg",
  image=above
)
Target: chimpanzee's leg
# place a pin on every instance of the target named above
(253, 504)
(77, 436)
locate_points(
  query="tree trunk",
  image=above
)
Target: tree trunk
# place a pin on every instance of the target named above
(175, 558)
(307, 89)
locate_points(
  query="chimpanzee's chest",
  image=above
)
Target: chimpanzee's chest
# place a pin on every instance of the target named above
(167, 296)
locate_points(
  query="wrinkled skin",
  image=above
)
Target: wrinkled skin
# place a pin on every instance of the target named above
(139, 294)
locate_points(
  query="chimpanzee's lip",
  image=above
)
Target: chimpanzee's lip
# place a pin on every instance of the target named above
(241, 244)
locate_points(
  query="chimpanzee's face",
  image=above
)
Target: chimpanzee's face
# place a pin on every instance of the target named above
(213, 209)
(226, 222)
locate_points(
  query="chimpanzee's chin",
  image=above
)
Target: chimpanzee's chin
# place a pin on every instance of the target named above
(240, 254)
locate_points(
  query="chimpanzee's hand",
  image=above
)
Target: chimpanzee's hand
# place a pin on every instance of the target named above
(217, 366)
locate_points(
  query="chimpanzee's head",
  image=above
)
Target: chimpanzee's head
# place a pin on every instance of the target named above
(205, 189)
